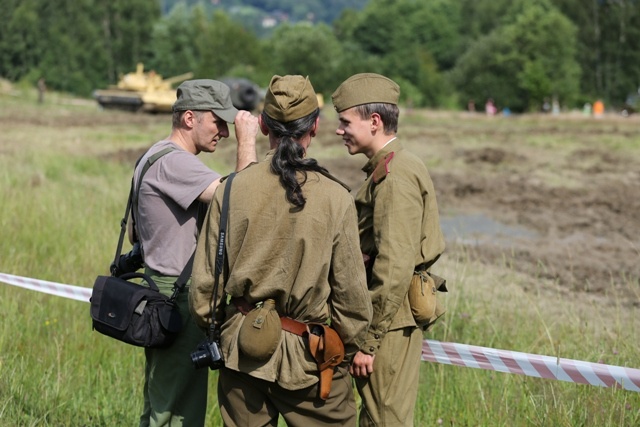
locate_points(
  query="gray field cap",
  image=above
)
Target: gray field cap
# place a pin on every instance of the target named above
(206, 95)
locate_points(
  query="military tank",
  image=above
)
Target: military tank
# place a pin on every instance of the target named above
(141, 91)
(245, 95)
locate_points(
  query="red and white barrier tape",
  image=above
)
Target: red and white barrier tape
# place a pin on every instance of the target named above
(532, 365)
(53, 288)
(469, 356)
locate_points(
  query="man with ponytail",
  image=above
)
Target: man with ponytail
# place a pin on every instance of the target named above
(293, 267)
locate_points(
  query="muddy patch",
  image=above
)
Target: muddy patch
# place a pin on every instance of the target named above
(585, 238)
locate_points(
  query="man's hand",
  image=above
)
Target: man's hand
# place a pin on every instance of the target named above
(247, 126)
(362, 365)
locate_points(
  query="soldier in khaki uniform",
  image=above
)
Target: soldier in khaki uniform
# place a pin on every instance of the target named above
(292, 243)
(400, 232)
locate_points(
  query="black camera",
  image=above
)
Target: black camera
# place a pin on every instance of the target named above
(129, 262)
(207, 354)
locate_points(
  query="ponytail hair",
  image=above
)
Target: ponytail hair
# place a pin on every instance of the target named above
(288, 158)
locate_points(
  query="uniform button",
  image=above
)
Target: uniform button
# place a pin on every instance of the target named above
(376, 336)
(371, 349)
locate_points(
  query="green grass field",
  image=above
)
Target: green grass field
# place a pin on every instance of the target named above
(62, 194)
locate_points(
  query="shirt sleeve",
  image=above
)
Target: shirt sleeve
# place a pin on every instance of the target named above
(350, 302)
(397, 220)
(185, 177)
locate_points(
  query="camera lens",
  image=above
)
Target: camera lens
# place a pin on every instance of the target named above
(129, 262)
(200, 359)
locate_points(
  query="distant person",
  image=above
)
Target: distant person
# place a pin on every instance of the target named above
(555, 106)
(490, 108)
(598, 109)
(400, 234)
(292, 247)
(42, 88)
(586, 109)
(170, 194)
(471, 106)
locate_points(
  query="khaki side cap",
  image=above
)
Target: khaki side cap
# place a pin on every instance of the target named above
(365, 88)
(290, 98)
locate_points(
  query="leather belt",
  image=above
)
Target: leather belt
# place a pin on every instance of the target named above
(326, 348)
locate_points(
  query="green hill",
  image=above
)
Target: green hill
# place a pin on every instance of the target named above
(263, 15)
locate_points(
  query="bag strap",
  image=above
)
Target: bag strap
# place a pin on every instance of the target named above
(132, 202)
(184, 277)
(220, 251)
(123, 227)
(150, 161)
(223, 225)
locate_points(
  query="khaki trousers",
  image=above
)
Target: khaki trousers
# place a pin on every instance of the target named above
(389, 394)
(246, 401)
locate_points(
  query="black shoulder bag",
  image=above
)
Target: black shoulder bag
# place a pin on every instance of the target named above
(131, 312)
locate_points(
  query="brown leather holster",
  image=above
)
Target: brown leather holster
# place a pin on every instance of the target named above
(325, 344)
(327, 348)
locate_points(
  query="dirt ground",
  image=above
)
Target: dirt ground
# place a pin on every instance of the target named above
(585, 238)
(568, 213)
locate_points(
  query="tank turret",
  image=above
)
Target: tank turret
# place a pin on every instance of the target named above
(140, 91)
(245, 95)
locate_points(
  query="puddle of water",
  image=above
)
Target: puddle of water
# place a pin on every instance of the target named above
(474, 229)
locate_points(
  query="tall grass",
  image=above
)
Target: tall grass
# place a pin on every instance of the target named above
(490, 307)
(62, 194)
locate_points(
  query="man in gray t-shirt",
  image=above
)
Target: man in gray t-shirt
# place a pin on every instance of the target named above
(166, 197)
(175, 393)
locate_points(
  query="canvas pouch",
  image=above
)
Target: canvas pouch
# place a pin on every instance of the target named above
(260, 332)
(426, 306)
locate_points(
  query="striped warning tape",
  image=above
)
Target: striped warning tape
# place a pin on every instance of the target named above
(53, 288)
(532, 365)
(469, 356)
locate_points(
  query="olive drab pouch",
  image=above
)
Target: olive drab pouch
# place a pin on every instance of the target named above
(425, 304)
(260, 332)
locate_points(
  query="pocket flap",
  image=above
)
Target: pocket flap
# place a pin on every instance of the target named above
(113, 301)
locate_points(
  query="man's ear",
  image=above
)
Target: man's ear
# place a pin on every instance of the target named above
(376, 122)
(263, 127)
(189, 119)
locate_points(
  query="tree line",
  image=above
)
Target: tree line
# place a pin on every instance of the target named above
(443, 53)
(251, 12)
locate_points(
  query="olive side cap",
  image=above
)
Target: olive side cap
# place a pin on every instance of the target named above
(365, 88)
(290, 98)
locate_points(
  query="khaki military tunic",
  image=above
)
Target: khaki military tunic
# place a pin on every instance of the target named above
(308, 260)
(399, 228)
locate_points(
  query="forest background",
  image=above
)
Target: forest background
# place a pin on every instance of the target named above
(443, 53)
